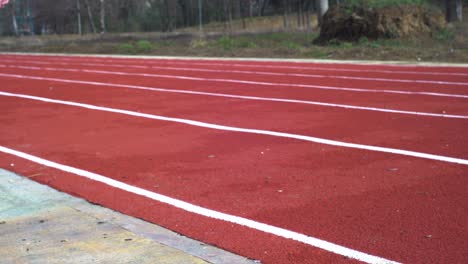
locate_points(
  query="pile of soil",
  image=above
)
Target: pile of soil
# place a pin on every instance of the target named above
(346, 23)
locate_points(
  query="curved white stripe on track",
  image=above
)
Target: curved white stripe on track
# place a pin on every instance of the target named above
(282, 100)
(320, 87)
(192, 208)
(246, 130)
(283, 74)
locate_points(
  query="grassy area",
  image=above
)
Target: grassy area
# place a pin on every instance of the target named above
(448, 45)
(385, 3)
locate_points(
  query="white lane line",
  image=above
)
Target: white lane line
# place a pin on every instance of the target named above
(374, 63)
(284, 74)
(323, 69)
(192, 208)
(319, 68)
(291, 74)
(247, 72)
(268, 99)
(320, 87)
(312, 66)
(246, 130)
(268, 73)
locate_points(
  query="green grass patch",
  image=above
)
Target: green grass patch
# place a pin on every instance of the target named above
(229, 43)
(226, 43)
(384, 3)
(445, 34)
(347, 45)
(292, 46)
(126, 48)
(316, 54)
(144, 46)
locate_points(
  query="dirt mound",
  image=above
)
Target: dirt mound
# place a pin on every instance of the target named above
(345, 23)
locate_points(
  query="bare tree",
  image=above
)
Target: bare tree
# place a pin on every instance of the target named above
(70, 16)
(307, 15)
(299, 14)
(227, 16)
(13, 17)
(90, 16)
(286, 13)
(240, 9)
(322, 6)
(454, 10)
(263, 5)
(78, 9)
(103, 17)
(200, 15)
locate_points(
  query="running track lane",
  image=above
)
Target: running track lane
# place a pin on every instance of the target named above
(328, 93)
(438, 103)
(410, 132)
(252, 186)
(395, 80)
(166, 81)
(281, 67)
(369, 128)
(343, 169)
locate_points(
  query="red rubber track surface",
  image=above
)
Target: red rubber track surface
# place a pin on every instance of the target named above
(401, 208)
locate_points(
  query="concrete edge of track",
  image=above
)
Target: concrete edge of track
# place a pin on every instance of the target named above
(351, 62)
(37, 220)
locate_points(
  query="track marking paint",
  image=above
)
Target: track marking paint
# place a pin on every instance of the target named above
(312, 66)
(277, 231)
(272, 73)
(392, 64)
(321, 69)
(241, 82)
(246, 130)
(269, 99)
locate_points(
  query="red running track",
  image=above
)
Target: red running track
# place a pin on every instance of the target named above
(396, 207)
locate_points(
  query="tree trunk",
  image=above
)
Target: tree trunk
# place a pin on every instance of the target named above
(13, 17)
(227, 16)
(299, 14)
(200, 15)
(264, 5)
(90, 15)
(454, 10)
(185, 13)
(307, 16)
(78, 9)
(171, 14)
(285, 14)
(322, 6)
(103, 17)
(230, 15)
(241, 14)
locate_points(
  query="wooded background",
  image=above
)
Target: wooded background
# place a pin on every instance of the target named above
(99, 16)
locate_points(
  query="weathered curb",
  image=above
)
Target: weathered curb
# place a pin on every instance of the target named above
(41, 225)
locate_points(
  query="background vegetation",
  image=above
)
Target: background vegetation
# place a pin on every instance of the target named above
(231, 28)
(95, 16)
